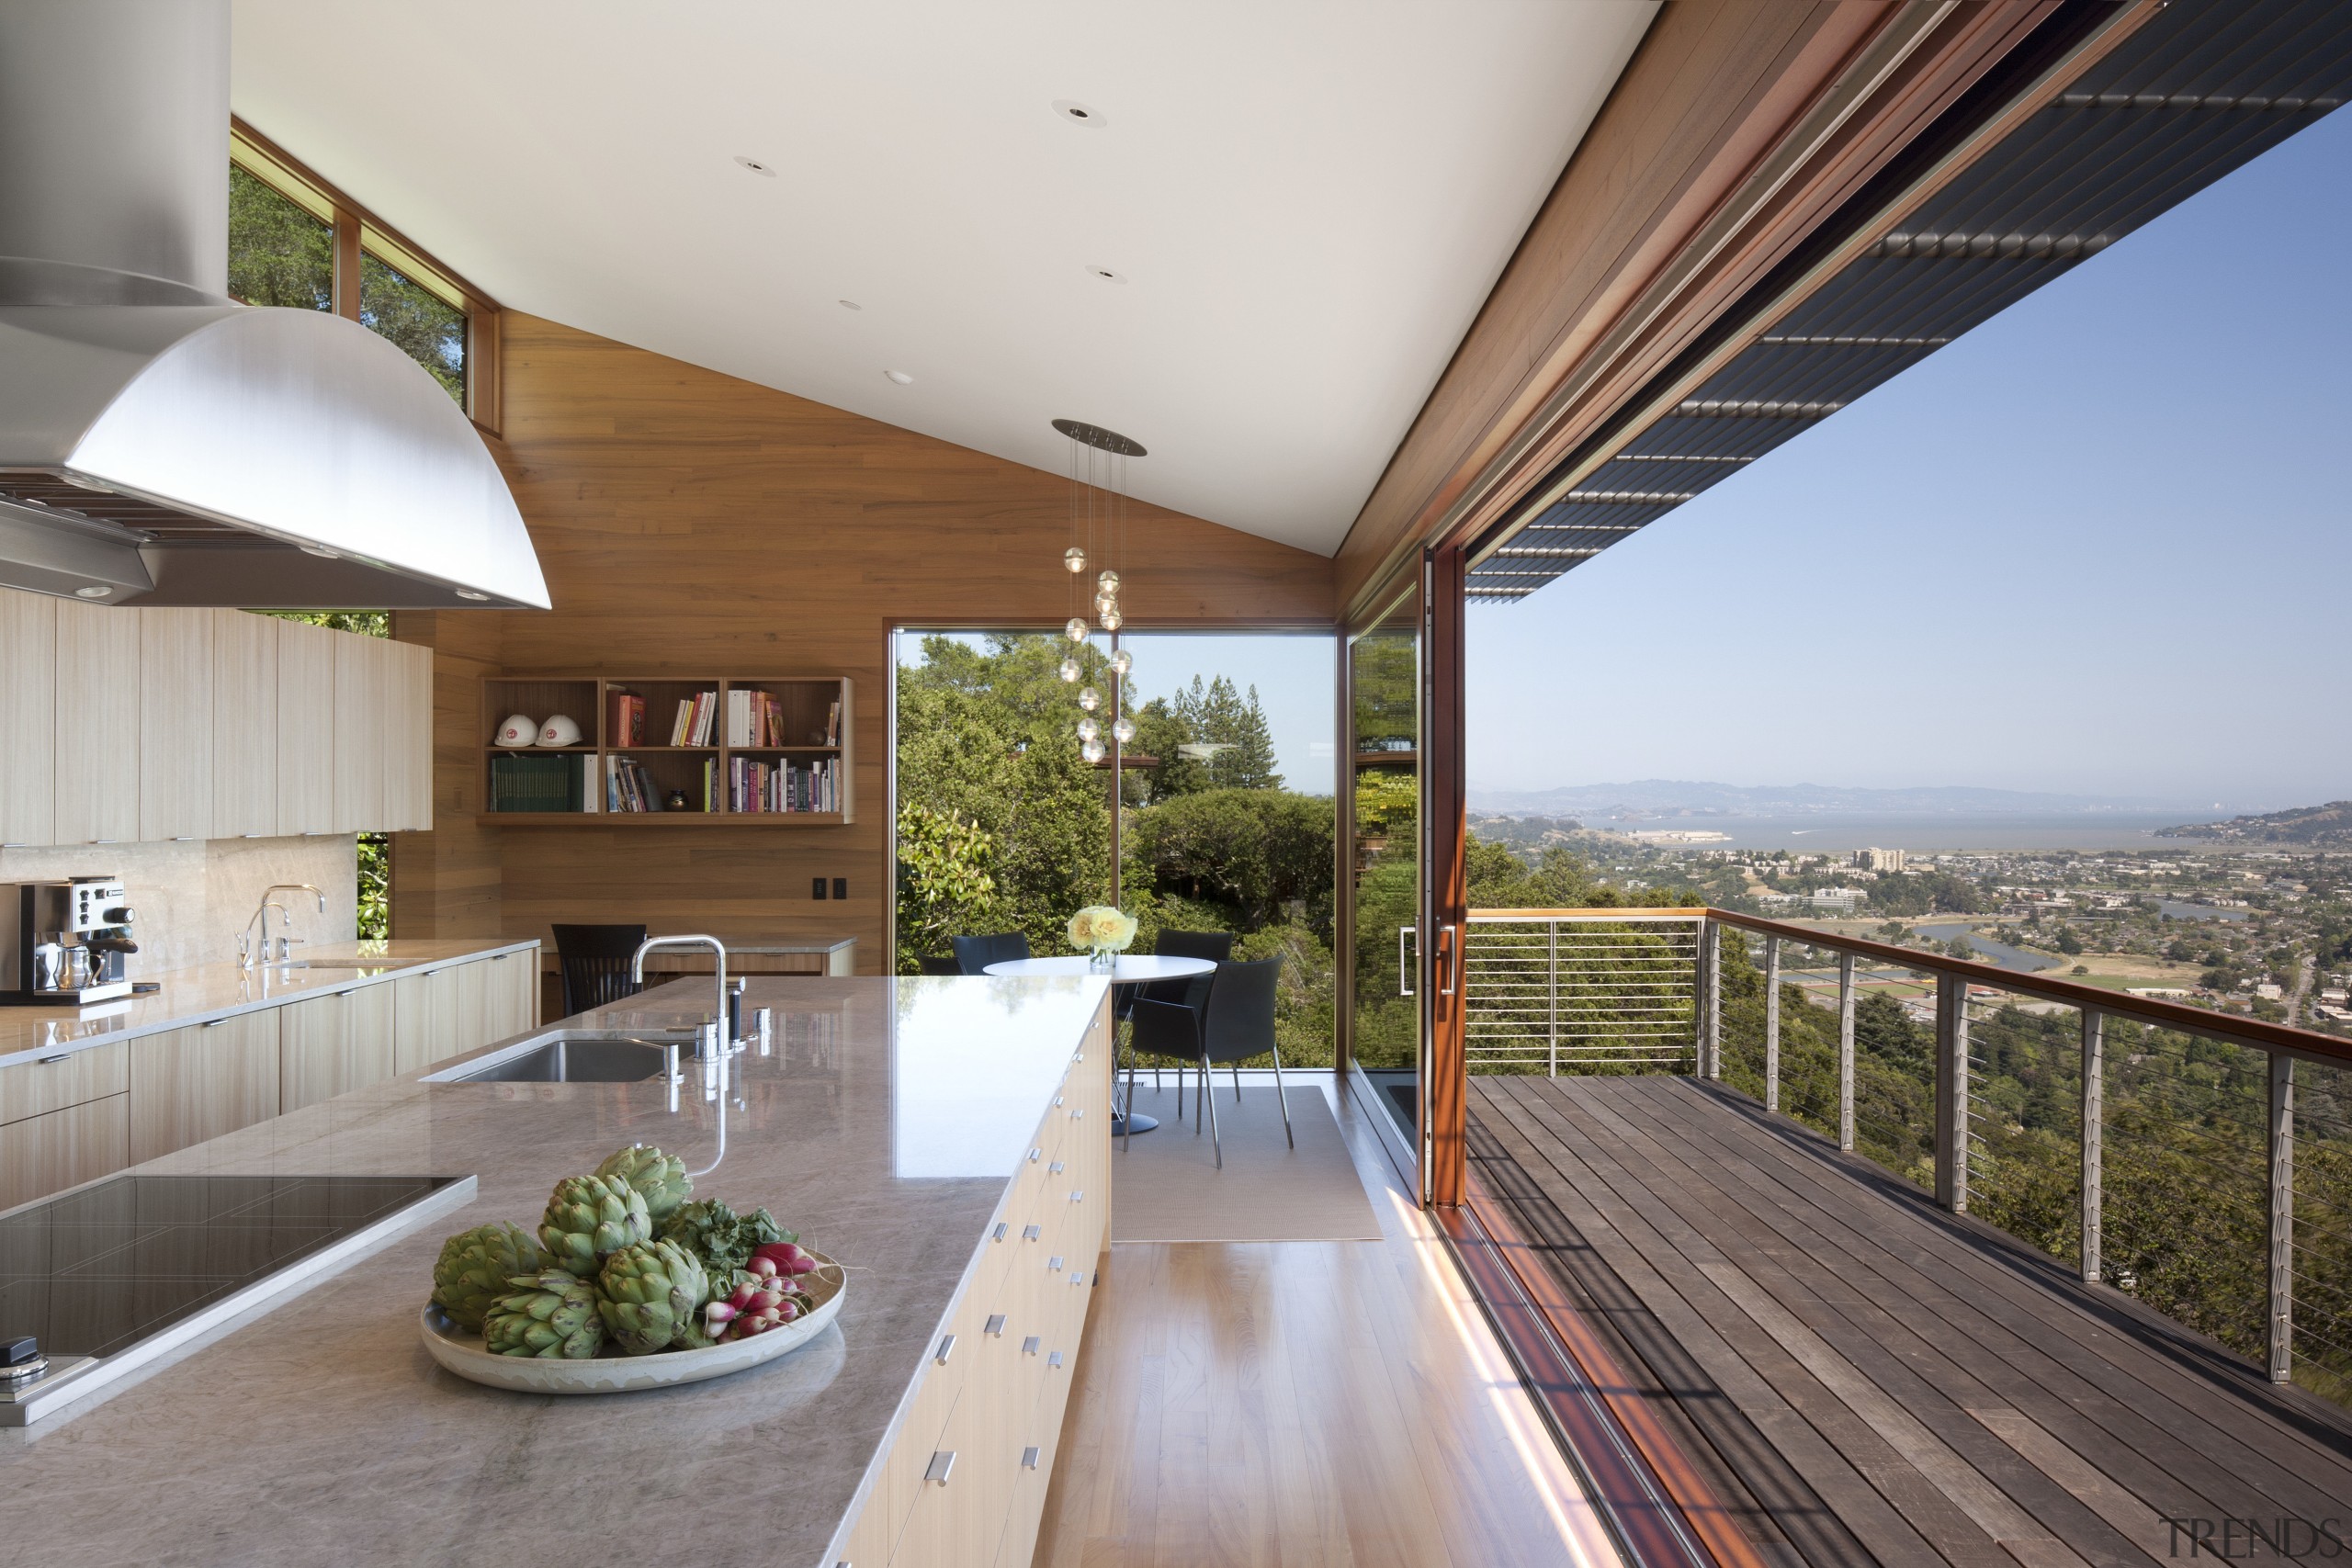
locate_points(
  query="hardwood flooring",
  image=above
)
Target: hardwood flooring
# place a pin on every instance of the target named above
(1871, 1380)
(1304, 1404)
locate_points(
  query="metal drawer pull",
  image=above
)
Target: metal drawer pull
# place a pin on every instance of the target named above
(52, 1061)
(1031, 1233)
(212, 1024)
(1029, 1458)
(995, 1329)
(1033, 1155)
(1079, 1277)
(1056, 1167)
(1055, 1359)
(946, 1348)
(1029, 1346)
(1078, 1196)
(1058, 1100)
(1054, 1263)
(941, 1464)
(998, 1234)
(1079, 1114)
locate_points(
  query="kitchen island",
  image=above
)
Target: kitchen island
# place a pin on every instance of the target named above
(943, 1138)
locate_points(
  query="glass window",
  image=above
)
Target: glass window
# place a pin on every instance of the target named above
(278, 254)
(425, 327)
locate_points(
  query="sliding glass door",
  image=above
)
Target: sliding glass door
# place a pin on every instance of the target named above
(1385, 758)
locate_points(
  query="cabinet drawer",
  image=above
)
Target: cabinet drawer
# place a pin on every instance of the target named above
(42, 1155)
(36, 1089)
(189, 1084)
(937, 1395)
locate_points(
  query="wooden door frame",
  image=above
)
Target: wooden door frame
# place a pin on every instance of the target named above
(1444, 1088)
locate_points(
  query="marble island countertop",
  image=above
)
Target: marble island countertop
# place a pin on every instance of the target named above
(206, 991)
(885, 1127)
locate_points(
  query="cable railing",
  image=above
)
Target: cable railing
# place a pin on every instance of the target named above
(2197, 1161)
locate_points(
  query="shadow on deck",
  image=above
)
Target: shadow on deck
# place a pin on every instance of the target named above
(1863, 1378)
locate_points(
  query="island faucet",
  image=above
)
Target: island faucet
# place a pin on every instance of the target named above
(250, 953)
(718, 952)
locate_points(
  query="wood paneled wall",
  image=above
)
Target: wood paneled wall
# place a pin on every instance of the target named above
(689, 521)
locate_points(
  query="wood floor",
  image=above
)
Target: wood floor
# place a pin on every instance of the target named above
(1304, 1402)
(1870, 1380)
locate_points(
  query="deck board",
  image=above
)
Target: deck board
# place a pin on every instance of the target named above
(1891, 1382)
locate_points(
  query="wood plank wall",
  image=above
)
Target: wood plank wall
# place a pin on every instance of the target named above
(696, 523)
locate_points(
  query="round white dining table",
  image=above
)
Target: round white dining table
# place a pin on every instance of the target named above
(1128, 969)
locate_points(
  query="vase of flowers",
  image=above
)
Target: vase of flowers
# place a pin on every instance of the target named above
(1103, 933)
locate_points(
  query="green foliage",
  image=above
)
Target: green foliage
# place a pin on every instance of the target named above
(1917, 893)
(1261, 855)
(1231, 745)
(278, 254)
(419, 322)
(946, 884)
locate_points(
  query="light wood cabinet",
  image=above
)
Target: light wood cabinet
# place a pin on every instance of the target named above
(333, 1045)
(174, 724)
(408, 715)
(189, 1084)
(424, 1018)
(35, 1088)
(511, 1001)
(307, 733)
(363, 692)
(28, 718)
(97, 724)
(42, 1155)
(244, 723)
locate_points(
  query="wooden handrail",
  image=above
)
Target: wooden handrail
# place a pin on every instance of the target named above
(2249, 1031)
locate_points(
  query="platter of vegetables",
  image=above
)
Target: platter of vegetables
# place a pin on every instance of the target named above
(628, 1282)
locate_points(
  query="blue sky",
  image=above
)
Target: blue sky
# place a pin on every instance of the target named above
(2097, 546)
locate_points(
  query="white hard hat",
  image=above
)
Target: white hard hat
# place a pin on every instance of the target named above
(520, 729)
(560, 731)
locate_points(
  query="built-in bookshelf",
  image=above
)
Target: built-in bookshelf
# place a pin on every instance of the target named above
(748, 750)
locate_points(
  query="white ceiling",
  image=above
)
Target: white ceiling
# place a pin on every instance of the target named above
(1307, 201)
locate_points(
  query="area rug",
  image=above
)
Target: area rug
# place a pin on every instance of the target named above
(1165, 1185)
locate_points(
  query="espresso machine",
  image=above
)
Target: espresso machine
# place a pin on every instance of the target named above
(62, 944)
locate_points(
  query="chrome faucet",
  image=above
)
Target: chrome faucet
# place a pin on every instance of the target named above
(723, 1041)
(251, 951)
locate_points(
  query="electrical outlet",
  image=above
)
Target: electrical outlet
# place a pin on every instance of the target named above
(816, 888)
(841, 886)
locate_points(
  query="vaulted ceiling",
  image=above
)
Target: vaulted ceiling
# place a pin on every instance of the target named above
(1302, 204)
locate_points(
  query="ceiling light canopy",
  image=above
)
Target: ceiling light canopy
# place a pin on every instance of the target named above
(900, 377)
(1077, 113)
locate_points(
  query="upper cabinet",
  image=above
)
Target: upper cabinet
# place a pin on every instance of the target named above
(123, 724)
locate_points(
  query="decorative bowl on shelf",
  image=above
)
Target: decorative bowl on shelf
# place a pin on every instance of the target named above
(462, 1351)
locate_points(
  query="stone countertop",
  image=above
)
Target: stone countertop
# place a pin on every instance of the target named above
(885, 1129)
(207, 991)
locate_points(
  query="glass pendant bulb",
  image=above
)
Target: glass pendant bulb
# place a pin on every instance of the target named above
(1125, 729)
(1074, 558)
(1069, 670)
(1122, 662)
(1108, 581)
(1089, 698)
(1093, 750)
(1075, 630)
(1110, 619)
(1089, 731)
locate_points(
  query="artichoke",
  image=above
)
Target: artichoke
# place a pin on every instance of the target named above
(589, 1218)
(649, 1295)
(660, 1179)
(477, 1267)
(551, 1315)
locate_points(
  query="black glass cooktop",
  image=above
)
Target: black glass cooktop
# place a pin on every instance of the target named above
(95, 1271)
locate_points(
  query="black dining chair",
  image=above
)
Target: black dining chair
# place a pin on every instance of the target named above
(1237, 1023)
(939, 963)
(1192, 989)
(975, 953)
(595, 964)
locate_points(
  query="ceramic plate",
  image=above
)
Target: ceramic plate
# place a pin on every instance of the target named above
(462, 1352)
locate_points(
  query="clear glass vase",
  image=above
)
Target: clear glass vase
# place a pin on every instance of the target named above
(1103, 961)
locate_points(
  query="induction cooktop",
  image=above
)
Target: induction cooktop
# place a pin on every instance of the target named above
(110, 1276)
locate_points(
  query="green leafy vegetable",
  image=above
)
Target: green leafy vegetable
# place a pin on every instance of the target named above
(722, 1238)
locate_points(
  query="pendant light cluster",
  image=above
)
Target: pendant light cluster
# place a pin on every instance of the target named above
(1099, 520)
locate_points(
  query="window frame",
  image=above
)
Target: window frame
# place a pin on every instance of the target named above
(359, 231)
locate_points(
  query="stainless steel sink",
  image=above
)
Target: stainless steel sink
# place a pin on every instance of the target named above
(567, 1058)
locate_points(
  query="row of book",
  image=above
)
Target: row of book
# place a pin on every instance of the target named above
(520, 781)
(696, 715)
(754, 718)
(755, 786)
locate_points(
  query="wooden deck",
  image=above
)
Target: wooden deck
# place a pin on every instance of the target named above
(1864, 1378)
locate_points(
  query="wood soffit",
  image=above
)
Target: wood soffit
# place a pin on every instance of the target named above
(1736, 130)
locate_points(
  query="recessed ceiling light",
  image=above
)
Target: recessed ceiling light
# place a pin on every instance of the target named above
(95, 591)
(469, 594)
(321, 552)
(755, 165)
(900, 377)
(1105, 274)
(849, 304)
(1077, 113)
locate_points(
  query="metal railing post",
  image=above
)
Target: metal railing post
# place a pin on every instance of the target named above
(1771, 1023)
(1845, 1052)
(1713, 1067)
(1952, 1093)
(1554, 971)
(2282, 1217)
(2094, 1137)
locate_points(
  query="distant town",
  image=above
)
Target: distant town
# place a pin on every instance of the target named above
(2263, 931)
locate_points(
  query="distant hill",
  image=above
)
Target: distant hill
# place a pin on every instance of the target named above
(1596, 804)
(2315, 825)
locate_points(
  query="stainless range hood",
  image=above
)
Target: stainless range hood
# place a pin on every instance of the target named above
(160, 444)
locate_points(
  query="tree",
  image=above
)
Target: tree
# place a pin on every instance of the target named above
(945, 886)
(2068, 942)
(1232, 741)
